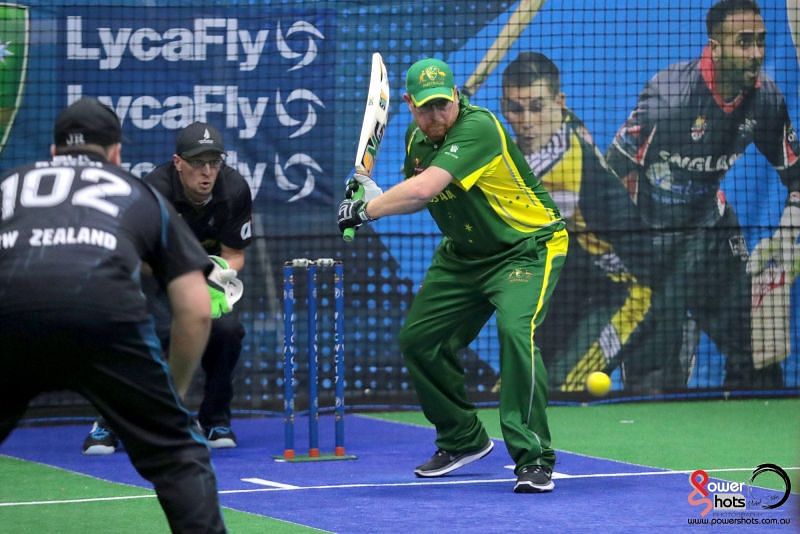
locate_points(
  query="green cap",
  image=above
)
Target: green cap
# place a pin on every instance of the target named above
(428, 79)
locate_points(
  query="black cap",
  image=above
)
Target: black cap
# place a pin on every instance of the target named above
(198, 138)
(87, 121)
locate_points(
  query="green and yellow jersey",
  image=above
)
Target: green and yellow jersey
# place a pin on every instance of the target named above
(495, 200)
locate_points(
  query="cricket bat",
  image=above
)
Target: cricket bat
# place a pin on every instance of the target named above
(770, 312)
(373, 126)
(769, 315)
(793, 15)
(516, 24)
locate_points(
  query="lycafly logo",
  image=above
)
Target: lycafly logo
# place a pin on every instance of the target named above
(201, 38)
(14, 26)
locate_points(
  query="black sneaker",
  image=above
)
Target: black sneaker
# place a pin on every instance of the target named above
(221, 437)
(443, 462)
(534, 479)
(100, 441)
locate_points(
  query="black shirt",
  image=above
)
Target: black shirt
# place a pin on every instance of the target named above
(682, 138)
(224, 220)
(74, 232)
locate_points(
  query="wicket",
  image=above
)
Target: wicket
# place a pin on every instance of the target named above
(290, 353)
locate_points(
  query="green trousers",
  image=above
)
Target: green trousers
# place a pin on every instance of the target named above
(457, 297)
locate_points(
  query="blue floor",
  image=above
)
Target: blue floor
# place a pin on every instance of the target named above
(379, 493)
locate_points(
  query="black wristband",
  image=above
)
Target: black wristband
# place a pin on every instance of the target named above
(364, 216)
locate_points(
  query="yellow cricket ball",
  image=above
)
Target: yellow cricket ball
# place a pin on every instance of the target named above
(598, 383)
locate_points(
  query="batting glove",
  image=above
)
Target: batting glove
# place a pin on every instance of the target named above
(352, 214)
(371, 189)
(781, 247)
(224, 288)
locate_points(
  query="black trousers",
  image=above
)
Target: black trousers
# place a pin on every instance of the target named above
(702, 272)
(219, 359)
(119, 368)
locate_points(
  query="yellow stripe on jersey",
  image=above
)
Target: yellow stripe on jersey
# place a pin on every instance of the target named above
(507, 193)
(473, 177)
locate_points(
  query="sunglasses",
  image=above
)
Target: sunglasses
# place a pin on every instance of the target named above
(439, 104)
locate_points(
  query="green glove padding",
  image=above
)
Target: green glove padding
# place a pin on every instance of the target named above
(224, 288)
(219, 302)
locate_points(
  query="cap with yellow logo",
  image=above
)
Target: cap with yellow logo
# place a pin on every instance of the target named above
(428, 79)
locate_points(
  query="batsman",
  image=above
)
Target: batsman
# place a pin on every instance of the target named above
(503, 246)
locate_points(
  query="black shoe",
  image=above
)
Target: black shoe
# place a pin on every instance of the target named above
(534, 479)
(443, 462)
(100, 441)
(221, 437)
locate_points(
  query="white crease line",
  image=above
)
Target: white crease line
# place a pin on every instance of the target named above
(650, 473)
(377, 485)
(385, 485)
(270, 483)
(74, 501)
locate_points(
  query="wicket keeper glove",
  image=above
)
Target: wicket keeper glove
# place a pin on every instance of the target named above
(371, 189)
(781, 247)
(352, 214)
(224, 288)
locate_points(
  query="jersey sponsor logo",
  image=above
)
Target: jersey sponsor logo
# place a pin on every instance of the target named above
(698, 128)
(747, 127)
(700, 163)
(51, 237)
(13, 64)
(247, 231)
(452, 151)
(519, 276)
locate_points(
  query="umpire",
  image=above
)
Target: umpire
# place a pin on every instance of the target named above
(74, 233)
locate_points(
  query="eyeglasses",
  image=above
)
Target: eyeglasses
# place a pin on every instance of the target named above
(198, 163)
(439, 104)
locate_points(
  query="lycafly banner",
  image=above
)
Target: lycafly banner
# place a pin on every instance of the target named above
(260, 78)
(285, 81)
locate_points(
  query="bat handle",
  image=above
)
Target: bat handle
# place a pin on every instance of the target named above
(350, 233)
